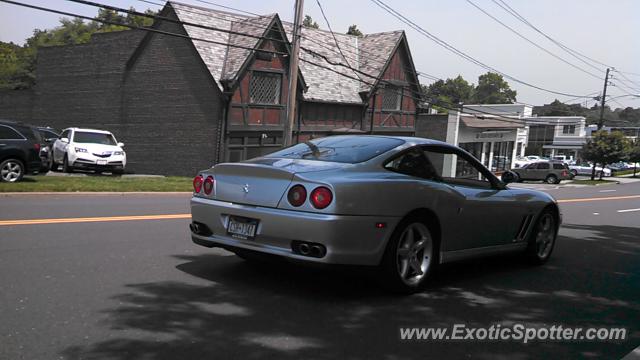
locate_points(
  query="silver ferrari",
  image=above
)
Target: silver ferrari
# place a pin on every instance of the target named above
(403, 204)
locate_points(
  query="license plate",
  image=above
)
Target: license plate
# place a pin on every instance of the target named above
(102, 162)
(243, 228)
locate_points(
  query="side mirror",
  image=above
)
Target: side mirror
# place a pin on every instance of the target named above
(508, 177)
(64, 140)
(121, 144)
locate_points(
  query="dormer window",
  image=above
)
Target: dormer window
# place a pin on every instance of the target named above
(391, 98)
(265, 87)
(568, 129)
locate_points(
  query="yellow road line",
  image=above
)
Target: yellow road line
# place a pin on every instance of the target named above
(93, 219)
(600, 199)
(188, 216)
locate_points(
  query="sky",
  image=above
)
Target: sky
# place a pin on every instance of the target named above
(607, 31)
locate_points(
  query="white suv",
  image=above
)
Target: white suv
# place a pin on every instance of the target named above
(88, 149)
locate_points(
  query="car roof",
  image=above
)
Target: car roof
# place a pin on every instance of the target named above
(88, 130)
(410, 140)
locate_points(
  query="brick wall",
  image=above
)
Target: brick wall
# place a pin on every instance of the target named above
(16, 105)
(432, 126)
(171, 108)
(164, 107)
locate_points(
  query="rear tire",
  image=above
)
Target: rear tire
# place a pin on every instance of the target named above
(11, 170)
(410, 258)
(552, 179)
(542, 239)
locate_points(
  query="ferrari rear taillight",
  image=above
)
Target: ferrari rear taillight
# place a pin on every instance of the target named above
(208, 185)
(321, 197)
(197, 183)
(297, 195)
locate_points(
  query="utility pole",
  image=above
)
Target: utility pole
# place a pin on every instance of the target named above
(603, 100)
(293, 74)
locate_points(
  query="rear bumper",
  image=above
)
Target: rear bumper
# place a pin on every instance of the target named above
(349, 240)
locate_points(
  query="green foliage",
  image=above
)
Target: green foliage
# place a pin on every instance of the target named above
(449, 93)
(353, 30)
(605, 148)
(634, 155)
(309, 23)
(17, 63)
(618, 117)
(493, 89)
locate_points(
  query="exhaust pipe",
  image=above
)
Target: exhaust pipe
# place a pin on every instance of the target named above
(304, 249)
(200, 229)
(316, 251)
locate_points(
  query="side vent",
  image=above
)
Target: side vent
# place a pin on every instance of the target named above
(523, 230)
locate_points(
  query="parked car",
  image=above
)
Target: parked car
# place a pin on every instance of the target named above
(564, 158)
(49, 136)
(521, 161)
(586, 169)
(619, 166)
(20, 146)
(551, 172)
(88, 149)
(405, 205)
(536, 158)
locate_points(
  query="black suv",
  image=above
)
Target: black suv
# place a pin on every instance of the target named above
(20, 146)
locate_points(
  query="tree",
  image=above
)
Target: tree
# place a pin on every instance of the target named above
(353, 30)
(309, 23)
(17, 63)
(557, 108)
(449, 92)
(493, 89)
(605, 148)
(634, 155)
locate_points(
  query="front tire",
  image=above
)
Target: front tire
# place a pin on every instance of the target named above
(66, 167)
(410, 257)
(574, 173)
(11, 170)
(542, 238)
(552, 179)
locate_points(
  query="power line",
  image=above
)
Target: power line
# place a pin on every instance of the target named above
(174, 21)
(417, 99)
(335, 40)
(578, 55)
(108, 22)
(530, 41)
(460, 53)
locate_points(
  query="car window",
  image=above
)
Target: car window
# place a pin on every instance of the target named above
(344, 149)
(65, 134)
(47, 134)
(414, 163)
(559, 166)
(7, 133)
(93, 138)
(455, 168)
(542, 166)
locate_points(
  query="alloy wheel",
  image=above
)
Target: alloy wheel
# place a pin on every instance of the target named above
(414, 254)
(545, 236)
(11, 171)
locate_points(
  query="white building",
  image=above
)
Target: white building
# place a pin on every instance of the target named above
(546, 135)
(495, 141)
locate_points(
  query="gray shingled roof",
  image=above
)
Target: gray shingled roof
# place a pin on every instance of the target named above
(368, 54)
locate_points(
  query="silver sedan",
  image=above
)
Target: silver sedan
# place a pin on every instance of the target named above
(402, 204)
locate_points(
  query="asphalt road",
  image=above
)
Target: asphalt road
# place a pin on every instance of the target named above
(142, 290)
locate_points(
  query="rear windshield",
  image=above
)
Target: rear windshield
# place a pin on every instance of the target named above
(343, 149)
(93, 138)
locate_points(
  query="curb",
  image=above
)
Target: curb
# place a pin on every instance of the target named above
(105, 193)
